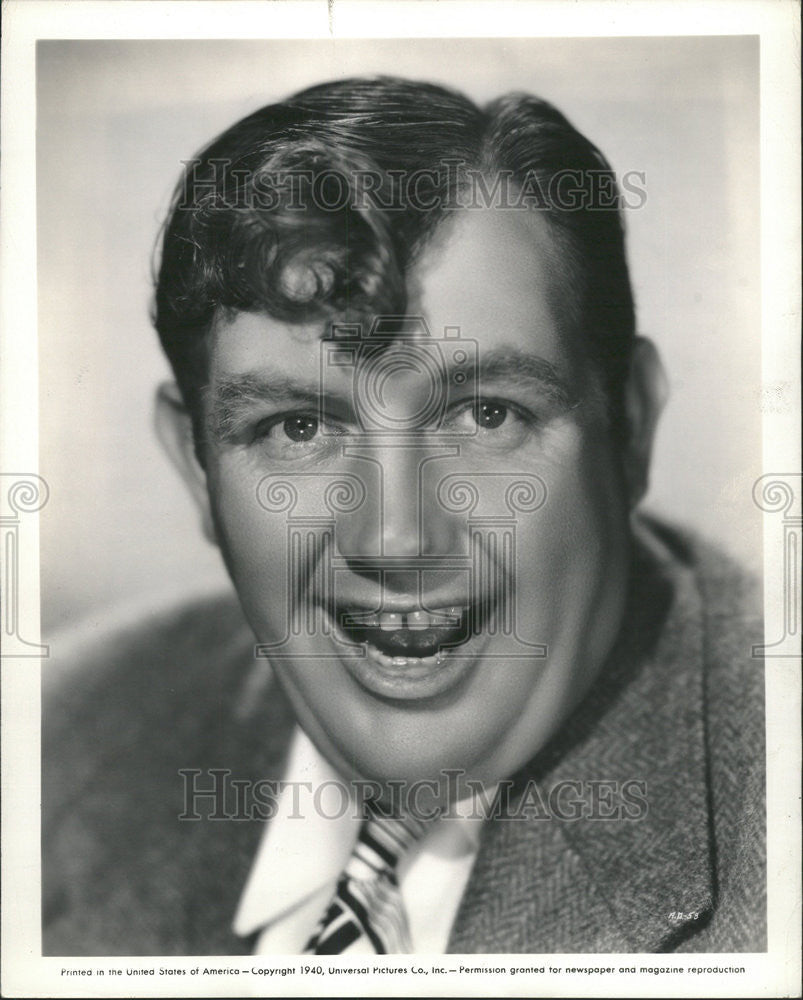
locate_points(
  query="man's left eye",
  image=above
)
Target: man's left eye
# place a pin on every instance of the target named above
(495, 422)
(489, 414)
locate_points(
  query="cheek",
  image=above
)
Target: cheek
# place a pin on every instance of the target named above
(571, 586)
(584, 520)
(573, 557)
(586, 538)
(253, 543)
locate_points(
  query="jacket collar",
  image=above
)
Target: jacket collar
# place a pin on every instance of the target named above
(595, 884)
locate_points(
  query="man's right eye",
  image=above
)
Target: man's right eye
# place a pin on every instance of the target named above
(296, 435)
(292, 428)
(299, 428)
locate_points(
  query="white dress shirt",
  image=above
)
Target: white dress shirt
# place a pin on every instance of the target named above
(303, 851)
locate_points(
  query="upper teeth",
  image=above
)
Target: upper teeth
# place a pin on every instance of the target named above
(389, 621)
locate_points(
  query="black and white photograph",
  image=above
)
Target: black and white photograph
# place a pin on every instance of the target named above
(409, 495)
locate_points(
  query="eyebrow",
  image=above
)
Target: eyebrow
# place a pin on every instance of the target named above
(525, 370)
(235, 396)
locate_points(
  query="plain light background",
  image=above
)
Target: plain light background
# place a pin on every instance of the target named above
(114, 122)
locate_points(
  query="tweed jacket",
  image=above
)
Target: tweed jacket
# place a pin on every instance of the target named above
(678, 706)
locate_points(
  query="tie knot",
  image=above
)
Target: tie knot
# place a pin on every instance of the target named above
(381, 843)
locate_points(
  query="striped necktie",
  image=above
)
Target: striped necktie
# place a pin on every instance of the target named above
(367, 900)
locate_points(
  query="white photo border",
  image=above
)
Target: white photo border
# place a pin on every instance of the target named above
(25, 972)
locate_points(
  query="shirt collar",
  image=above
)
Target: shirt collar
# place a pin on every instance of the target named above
(301, 849)
(304, 848)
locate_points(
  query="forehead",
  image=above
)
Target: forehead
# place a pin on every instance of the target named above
(490, 268)
(500, 277)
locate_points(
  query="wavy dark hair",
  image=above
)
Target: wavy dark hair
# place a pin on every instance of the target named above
(305, 210)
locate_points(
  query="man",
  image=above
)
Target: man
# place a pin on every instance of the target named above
(416, 418)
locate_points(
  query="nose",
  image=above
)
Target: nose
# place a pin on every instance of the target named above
(401, 520)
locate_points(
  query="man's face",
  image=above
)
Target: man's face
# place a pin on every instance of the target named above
(414, 631)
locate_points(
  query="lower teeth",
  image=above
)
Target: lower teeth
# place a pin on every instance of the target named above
(400, 662)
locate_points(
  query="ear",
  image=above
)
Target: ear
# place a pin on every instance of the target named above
(174, 430)
(646, 393)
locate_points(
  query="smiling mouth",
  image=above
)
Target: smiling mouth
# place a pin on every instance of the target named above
(416, 634)
(413, 654)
